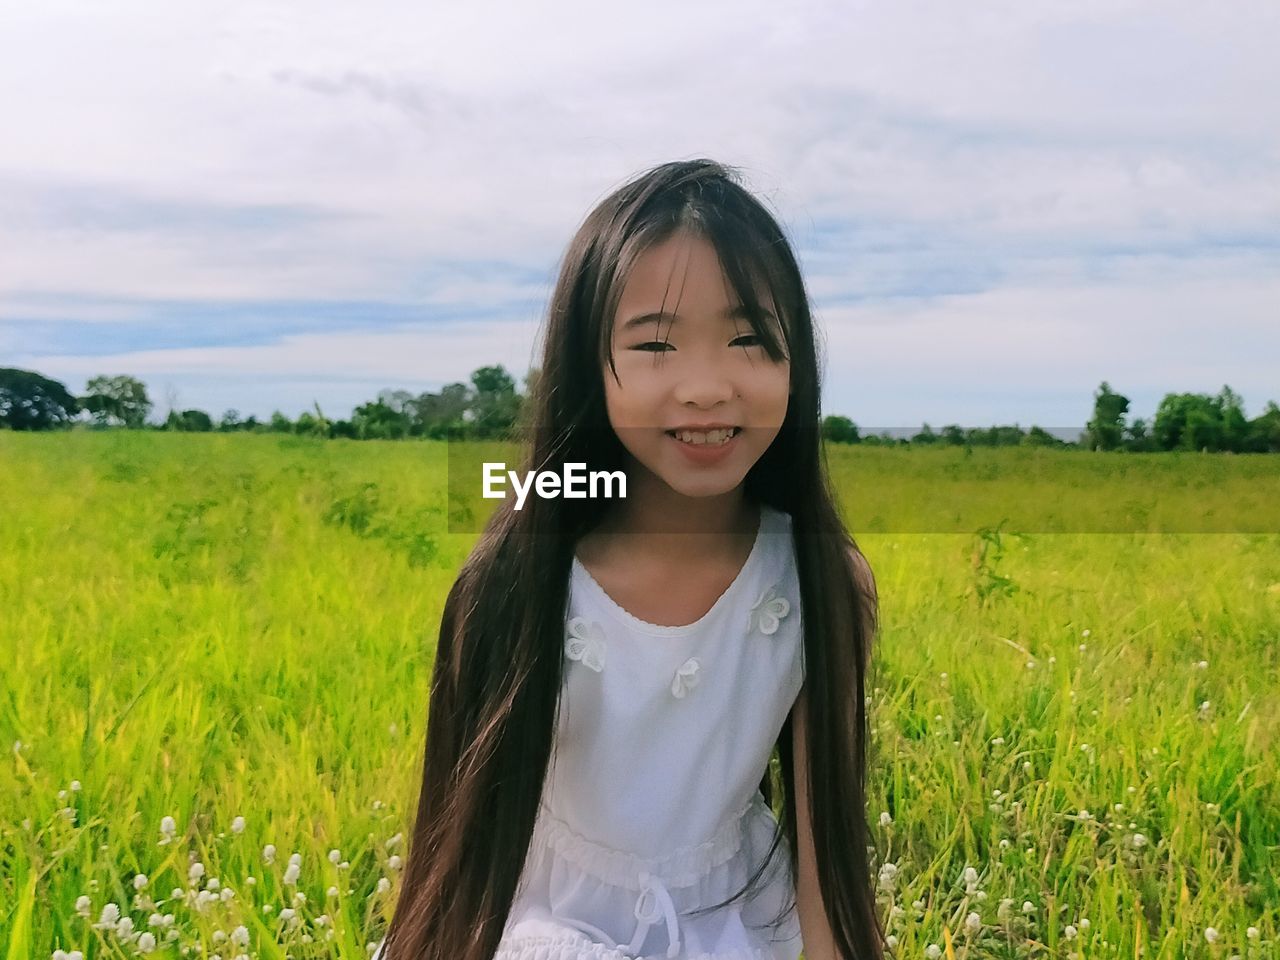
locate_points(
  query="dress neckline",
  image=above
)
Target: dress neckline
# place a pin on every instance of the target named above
(678, 630)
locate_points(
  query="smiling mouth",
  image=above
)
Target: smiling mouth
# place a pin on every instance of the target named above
(704, 438)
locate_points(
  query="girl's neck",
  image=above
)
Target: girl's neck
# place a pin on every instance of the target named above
(655, 520)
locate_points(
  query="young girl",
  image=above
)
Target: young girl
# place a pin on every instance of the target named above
(613, 676)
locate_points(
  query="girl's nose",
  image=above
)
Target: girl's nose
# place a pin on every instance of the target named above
(704, 388)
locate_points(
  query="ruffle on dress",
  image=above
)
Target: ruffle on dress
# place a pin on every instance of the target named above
(562, 944)
(682, 867)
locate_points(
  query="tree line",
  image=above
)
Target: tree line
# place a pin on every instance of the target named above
(489, 406)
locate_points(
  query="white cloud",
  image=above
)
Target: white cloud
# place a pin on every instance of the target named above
(398, 356)
(1014, 148)
(1051, 344)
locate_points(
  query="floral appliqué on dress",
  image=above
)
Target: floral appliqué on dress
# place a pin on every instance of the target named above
(585, 643)
(768, 611)
(686, 677)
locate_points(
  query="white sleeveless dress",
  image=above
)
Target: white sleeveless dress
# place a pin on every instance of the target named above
(652, 805)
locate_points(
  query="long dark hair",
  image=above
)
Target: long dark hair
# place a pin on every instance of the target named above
(498, 663)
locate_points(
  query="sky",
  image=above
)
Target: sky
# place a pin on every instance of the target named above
(267, 206)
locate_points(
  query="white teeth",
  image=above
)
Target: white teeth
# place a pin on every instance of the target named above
(700, 437)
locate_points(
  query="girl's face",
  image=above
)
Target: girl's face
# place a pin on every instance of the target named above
(712, 370)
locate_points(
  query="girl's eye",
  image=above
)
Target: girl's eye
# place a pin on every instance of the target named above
(662, 344)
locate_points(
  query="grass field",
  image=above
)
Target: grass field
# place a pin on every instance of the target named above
(212, 643)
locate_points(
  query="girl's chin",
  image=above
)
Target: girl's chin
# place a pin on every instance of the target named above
(700, 481)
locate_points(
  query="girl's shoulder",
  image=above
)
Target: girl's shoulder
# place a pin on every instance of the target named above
(776, 535)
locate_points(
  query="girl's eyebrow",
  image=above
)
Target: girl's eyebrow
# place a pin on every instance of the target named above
(733, 313)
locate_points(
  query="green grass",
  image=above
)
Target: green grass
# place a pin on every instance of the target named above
(213, 626)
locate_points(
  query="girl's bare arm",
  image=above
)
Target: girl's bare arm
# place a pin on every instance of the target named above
(814, 928)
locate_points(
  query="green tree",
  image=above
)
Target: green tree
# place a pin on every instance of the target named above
(495, 405)
(1263, 435)
(316, 425)
(404, 419)
(29, 401)
(442, 414)
(1189, 421)
(343, 428)
(926, 436)
(379, 421)
(1040, 437)
(1235, 426)
(1106, 430)
(1138, 438)
(189, 421)
(121, 400)
(838, 429)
